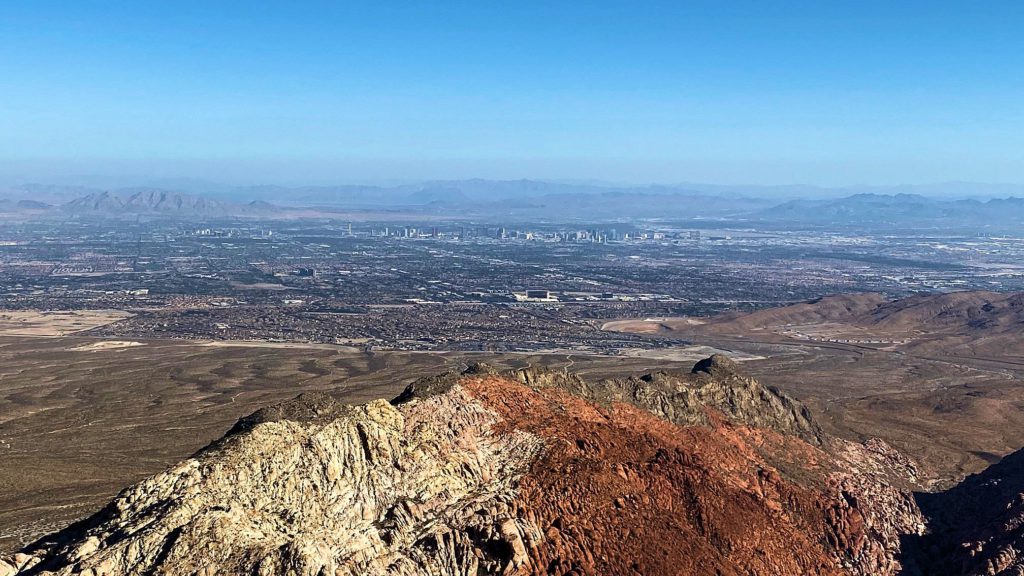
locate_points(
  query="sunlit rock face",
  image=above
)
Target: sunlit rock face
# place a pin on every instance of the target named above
(527, 472)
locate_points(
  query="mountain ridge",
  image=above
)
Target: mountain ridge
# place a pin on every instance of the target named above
(974, 322)
(885, 207)
(155, 201)
(517, 473)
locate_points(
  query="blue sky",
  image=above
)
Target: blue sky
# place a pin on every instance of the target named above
(765, 92)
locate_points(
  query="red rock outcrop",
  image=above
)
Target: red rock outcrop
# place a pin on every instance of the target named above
(620, 491)
(524, 473)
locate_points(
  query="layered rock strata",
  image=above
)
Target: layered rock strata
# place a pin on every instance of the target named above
(528, 472)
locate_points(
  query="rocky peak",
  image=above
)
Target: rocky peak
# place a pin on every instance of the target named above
(529, 472)
(539, 376)
(716, 366)
(311, 487)
(313, 407)
(714, 387)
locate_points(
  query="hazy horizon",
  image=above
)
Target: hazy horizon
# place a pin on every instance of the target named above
(217, 183)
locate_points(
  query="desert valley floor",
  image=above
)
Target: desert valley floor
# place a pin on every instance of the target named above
(84, 417)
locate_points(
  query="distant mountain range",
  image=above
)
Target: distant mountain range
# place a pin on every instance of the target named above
(898, 209)
(520, 199)
(146, 201)
(128, 202)
(9, 205)
(539, 200)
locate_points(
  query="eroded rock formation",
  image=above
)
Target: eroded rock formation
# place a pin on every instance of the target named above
(530, 472)
(714, 388)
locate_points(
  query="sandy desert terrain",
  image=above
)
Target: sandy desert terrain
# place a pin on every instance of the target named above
(55, 323)
(81, 418)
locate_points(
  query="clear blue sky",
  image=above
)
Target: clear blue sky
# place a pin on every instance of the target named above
(826, 92)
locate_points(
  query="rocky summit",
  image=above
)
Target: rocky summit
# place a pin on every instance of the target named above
(523, 472)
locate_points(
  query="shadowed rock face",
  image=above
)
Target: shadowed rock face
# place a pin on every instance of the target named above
(975, 528)
(309, 407)
(530, 472)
